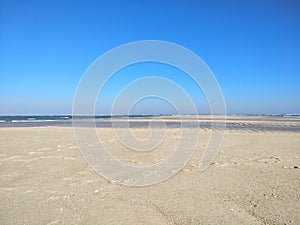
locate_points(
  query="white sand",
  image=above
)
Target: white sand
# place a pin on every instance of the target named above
(44, 180)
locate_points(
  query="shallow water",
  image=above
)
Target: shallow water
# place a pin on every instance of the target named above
(137, 124)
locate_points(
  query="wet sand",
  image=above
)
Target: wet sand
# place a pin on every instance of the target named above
(254, 180)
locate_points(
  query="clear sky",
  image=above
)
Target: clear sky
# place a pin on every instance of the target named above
(253, 48)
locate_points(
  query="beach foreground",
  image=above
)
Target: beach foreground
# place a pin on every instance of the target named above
(254, 180)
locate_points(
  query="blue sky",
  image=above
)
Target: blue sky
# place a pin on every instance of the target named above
(253, 48)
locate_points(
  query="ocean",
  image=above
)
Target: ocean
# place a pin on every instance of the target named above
(136, 121)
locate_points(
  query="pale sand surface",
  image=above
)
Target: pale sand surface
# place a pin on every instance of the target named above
(45, 180)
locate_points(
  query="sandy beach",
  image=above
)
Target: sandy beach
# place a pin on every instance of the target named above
(255, 179)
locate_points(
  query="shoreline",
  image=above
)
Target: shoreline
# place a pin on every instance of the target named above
(251, 123)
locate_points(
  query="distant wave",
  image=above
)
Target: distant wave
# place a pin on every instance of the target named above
(33, 118)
